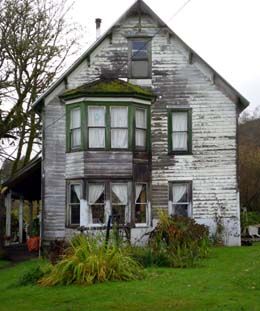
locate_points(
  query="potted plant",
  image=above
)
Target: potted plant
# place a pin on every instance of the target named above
(33, 241)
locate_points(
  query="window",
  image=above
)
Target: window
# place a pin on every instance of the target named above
(75, 129)
(96, 200)
(107, 126)
(141, 203)
(96, 127)
(119, 196)
(180, 198)
(119, 127)
(140, 127)
(140, 56)
(74, 203)
(180, 131)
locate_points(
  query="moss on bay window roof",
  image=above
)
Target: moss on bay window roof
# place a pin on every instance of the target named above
(109, 88)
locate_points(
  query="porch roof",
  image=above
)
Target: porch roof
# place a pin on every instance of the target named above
(27, 181)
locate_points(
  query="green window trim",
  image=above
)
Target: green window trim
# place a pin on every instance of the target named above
(147, 129)
(189, 131)
(84, 126)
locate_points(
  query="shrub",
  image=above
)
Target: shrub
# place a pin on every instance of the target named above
(179, 241)
(88, 260)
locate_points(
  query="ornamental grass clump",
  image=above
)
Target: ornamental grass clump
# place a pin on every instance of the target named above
(178, 241)
(89, 260)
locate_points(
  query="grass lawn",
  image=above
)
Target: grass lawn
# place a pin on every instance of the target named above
(228, 280)
(4, 263)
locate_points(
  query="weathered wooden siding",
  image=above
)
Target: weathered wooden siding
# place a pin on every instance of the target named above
(177, 81)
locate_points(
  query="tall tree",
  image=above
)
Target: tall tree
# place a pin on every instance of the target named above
(34, 41)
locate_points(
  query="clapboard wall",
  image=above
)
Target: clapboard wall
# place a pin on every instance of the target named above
(178, 79)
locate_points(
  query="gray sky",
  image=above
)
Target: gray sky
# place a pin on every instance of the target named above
(223, 32)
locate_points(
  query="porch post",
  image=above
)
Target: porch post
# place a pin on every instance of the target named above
(8, 204)
(30, 214)
(21, 204)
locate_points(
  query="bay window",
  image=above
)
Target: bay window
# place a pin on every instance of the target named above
(96, 200)
(74, 195)
(119, 196)
(107, 126)
(96, 127)
(119, 127)
(141, 203)
(140, 127)
(75, 128)
(179, 124)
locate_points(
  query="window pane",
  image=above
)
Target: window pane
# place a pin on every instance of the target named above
(140, 138)
(98, 214)
(140, 118)
(96, 116)
(179, 121)
(139, 49)
(119, 193)
(140, 69)
(96, 193)
(74, 193)
(118, 213)
(75, 214)
(140, 193)
(74, 118)
(140, 213)
(119, 116)
(180, 209)
(180, 141)
(119, 138)
(75, 138)
(179, 193)
(96, 137)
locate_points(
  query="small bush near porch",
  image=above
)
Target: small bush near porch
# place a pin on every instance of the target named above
(228, 280)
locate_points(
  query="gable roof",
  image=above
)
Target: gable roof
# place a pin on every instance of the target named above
(136, 7)
(108, 87)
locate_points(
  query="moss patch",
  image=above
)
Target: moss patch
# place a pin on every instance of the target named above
(113, 87)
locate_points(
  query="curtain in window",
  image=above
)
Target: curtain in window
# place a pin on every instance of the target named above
(96, 123)
(96, 116)
(140, 124)
(75, 119)
(179, 193)
(96, 138)
(120, 190)
(119, 125)
(75, 138)
(75, 189)
(138, 190)
(95, 191)
(179, 131)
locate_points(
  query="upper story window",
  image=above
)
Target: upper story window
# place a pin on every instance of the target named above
(180, 132)
(96, 127)
(75, 128)
(119, 127)
(139, 58)
(107, 126)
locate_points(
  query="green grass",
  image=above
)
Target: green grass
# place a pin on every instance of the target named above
(228, 280)
(4, 263)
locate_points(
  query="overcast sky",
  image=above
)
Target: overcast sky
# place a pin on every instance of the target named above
(223, 32)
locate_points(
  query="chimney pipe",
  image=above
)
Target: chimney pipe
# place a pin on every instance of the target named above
(98, 28)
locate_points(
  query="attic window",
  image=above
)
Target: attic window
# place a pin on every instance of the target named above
(139, 58)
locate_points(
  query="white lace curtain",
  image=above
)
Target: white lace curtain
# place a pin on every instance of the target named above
(178, 191)
(140, 123)
(96, 119)
(75, 127)
(119, 118)
(95, 191)
(138, 190)
(76, 189)
(179, 130)
(120, 190)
